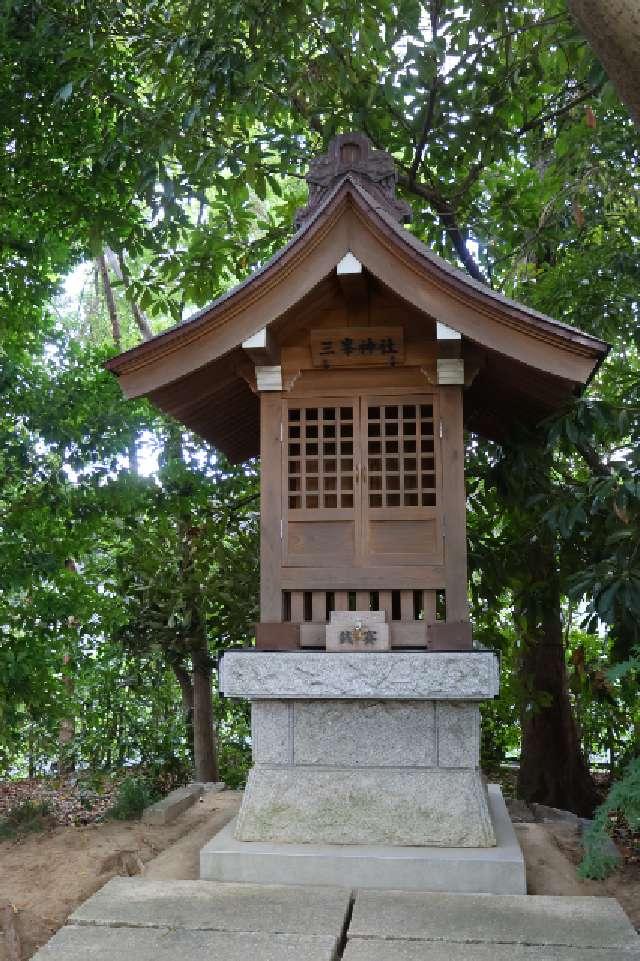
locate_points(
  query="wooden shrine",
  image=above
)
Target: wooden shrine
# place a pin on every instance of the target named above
(351, 363)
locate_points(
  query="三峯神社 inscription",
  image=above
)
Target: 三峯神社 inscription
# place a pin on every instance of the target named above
(357, 347)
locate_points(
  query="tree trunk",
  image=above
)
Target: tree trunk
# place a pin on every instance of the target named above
(612, 27)
(204, 741)
(120, 270)
(186, 689)
(67, 726)
(111, 303)
(206, 766)
(553, 769)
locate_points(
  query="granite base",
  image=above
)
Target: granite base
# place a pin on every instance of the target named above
(496, 870)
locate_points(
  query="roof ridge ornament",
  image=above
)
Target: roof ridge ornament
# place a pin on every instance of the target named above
(353, 154)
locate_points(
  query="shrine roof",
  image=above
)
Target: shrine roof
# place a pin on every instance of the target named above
(198, 371)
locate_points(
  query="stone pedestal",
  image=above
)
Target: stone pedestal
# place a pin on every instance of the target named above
(366, 774)
(364, 748)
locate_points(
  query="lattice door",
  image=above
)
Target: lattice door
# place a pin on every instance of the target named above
(321, 500)
(361, 483)
(401, 517)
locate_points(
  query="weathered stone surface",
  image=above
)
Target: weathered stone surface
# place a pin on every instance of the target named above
(367, 950)
(74, 943)
(543, 812)
(495, 870)
(206, 906)
(213, 787)
(394, 806)
(364, 733)
(395, 675)
(506, 919)
(519, 811)
(271, 732)
(458, 735)
(170, 807)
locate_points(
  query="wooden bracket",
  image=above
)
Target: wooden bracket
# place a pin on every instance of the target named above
(449, 636)
(277, 637)
(352, 280)
(269, 378)
(262, 348)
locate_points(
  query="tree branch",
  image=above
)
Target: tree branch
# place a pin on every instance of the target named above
(119, 268)
(543, 118)
(592, 459)
(449, 221)
(433, 96)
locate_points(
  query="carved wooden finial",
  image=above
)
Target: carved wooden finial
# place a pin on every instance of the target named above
(353, 154)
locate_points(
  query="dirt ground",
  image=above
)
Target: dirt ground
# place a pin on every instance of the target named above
(45, 876)
(551, 853)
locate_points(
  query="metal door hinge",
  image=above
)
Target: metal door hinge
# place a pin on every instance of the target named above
(281, 529)
(440, 430)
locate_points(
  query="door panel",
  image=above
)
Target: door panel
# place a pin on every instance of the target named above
(362, 482)
(321, 508)
(401, 485)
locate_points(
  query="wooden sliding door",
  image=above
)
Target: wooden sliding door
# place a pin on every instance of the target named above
(321, 499)
(362, 482)
(401, 481)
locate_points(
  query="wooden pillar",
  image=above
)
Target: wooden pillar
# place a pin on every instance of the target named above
(270, 507)
(454, 503)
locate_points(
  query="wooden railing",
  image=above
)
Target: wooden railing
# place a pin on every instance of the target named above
(408, 612)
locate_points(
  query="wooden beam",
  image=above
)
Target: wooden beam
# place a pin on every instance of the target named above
(270, 508)
(454, 503)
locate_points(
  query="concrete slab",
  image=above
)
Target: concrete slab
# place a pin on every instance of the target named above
(445, 951)
(164, 944)
(170, 807)
(203, 906)
(577, 922)
(498, 870)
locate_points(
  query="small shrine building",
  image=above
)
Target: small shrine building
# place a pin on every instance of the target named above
(351, 363)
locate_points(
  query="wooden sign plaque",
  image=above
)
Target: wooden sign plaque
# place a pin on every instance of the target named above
(357, 347)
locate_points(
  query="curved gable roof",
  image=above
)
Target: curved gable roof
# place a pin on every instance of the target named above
(190, 356)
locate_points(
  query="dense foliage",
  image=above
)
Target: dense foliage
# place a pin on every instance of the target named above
(166, 142)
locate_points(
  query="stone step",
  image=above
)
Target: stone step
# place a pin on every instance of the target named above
(581, 923)
(365, 950)
(206, 906)
(81, 943)
(139, 919)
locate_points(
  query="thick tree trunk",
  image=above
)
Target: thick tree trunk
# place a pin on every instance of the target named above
(206, 766)
(612, 27)
(204, 742)
(553, 769)
(186, 689)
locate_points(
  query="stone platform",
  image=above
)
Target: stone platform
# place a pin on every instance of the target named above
(133, 919)
(376, 748)
(494, 870)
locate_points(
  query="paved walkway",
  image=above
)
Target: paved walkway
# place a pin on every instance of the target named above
(139, 919)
